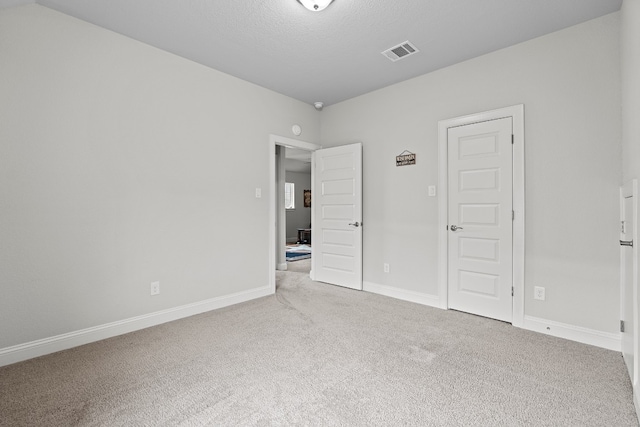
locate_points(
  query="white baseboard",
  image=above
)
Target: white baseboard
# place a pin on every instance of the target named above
(611, 341)
(403, 294)
(56, 343)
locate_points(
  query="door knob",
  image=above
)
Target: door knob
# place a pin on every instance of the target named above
(355, 224)
(455, 227)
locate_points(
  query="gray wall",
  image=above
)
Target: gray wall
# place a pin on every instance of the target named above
(300, 217)
(630, 36)
(118, 167)
(569, 82)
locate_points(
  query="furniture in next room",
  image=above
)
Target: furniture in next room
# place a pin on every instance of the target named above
(304, 236)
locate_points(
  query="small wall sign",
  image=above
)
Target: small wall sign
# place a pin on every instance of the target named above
(406, 158)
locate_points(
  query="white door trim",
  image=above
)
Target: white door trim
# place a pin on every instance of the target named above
(286, 142)
(516, 112)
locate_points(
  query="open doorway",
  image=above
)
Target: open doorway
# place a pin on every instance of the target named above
(336, 211)
(290, 233)
(297, 207)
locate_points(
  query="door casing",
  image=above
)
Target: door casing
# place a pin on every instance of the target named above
(516, 112)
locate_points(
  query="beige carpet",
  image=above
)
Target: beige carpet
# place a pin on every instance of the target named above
(320, 355)
(299, 266)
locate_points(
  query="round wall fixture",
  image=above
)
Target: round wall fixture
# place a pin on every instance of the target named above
(296, 129)
(315, 5)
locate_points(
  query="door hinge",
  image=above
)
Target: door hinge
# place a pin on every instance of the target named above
(622, 326)
(513, 215)
(513, 140)
(512, 291)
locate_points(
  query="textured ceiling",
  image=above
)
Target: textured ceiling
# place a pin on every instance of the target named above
(332, 55)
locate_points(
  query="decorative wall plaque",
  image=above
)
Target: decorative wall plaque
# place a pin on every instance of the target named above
(406, 158)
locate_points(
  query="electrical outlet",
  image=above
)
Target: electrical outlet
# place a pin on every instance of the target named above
(386, 268)
(155, 288)
(538, 293)
(432, 191)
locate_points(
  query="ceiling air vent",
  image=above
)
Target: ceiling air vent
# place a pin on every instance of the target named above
(400, 51)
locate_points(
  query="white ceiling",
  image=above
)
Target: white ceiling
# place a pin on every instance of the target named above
(335, 54)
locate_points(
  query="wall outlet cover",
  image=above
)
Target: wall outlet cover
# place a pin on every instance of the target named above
(155, 288)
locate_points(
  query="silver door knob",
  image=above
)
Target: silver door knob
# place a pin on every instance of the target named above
(455, 227)
(355, 224)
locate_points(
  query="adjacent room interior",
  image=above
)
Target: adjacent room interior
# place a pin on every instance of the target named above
(297, 206)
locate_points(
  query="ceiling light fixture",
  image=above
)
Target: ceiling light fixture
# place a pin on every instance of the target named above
(315, 5)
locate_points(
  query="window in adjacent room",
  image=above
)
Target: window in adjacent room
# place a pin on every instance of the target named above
(289, 199)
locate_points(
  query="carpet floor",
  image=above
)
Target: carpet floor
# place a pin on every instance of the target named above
(302, 266)
(320, 355)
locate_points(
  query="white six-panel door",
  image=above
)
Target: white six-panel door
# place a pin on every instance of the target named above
(337, 223)
(480, 168)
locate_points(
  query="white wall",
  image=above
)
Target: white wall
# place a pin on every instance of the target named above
(118, 167)
(630, 51)
(569, 82)
(300, 217)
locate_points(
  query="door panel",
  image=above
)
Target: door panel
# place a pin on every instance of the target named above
(337, 205)
(480, 208)
(628, 278)
(487, 215)
(487, 179)
(472, 282)
(487, 250)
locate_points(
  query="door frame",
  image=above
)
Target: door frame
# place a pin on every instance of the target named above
(291, 143)
(516, 113)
